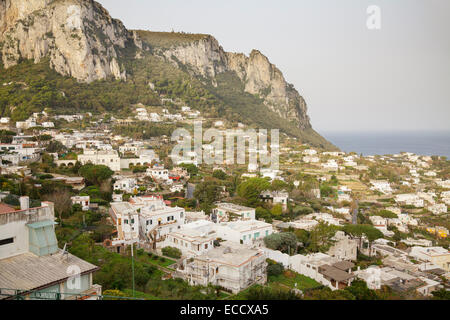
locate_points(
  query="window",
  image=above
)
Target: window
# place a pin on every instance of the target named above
(6, 241)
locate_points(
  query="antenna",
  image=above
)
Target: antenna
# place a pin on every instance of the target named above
(65, 252)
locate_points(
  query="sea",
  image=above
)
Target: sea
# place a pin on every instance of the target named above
(430, 143)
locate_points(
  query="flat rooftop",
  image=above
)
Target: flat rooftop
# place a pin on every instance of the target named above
(231, 253)
(233, 207)
(246, 225)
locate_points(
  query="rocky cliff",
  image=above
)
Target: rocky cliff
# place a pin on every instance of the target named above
(207, 58)
(81, 40)
(78, 36)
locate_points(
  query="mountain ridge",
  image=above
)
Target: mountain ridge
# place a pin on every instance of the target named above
(83, 41)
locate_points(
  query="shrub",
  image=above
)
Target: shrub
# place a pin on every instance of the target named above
(171, 252)
(275, 269)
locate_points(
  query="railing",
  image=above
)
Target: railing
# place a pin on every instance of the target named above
(17, 294)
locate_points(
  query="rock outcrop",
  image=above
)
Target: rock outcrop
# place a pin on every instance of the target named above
(78, 36)
(207, 58)
(81, 40)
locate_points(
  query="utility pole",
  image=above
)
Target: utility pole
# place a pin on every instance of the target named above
(132, 253)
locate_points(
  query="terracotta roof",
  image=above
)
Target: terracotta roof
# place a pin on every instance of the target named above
(4, 208)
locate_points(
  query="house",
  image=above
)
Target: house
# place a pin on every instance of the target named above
(418, 242)
(156, 219)
(381, 186)
(83, 201)
(331, 165)
(158, 173)
(310, 159)
(128, 185)
(109, 158)
(344, 247)
(325, 269)
(244, 231)
(229, 211)
(232, 266)
(437, 208)
(436, 255)
(193, 239)
(192, 216)
(177, 187)
(409, 199)
(126, 220)
(32, 263)
(275, 197)
(324, 217)
(375, 277)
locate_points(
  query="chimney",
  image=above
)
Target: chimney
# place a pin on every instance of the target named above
(24, 202)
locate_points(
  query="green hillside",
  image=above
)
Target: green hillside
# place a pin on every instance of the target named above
(28, 87)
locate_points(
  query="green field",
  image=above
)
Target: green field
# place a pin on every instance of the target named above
(290, 278)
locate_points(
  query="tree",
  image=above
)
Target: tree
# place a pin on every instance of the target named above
(360, 291)
(95, 174)
(172, 252)
(301, 210)
(360, 230)
(326, 191)
(275, 269)
(251, 189)
(283, 241)
(208, 191)
(62, 202)
(278, 185)
(277, 210)
(320, 237)
(219, 174)
(191, 168)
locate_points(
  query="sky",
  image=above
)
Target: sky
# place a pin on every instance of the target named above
(396, 78)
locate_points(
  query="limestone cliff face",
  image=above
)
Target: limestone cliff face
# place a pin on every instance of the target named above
(78, 36)
(207, 58)
(81, 40)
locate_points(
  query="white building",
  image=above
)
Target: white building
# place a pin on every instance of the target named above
(229, 212)
(158, 173)
(126, 220)
(193, 239)
(156, 219)
(32, 263)
(343, 248)
(381, 186)
(436, 255)
(108, 158)
(244, 231)
(325, 269)
(438, 208)
(128, 185)
(83, 201)
(331, 165)
(232, 266)
(409, 199)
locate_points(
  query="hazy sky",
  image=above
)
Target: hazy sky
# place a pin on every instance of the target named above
(395, 78)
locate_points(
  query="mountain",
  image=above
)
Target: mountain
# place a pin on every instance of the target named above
(78, 39)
